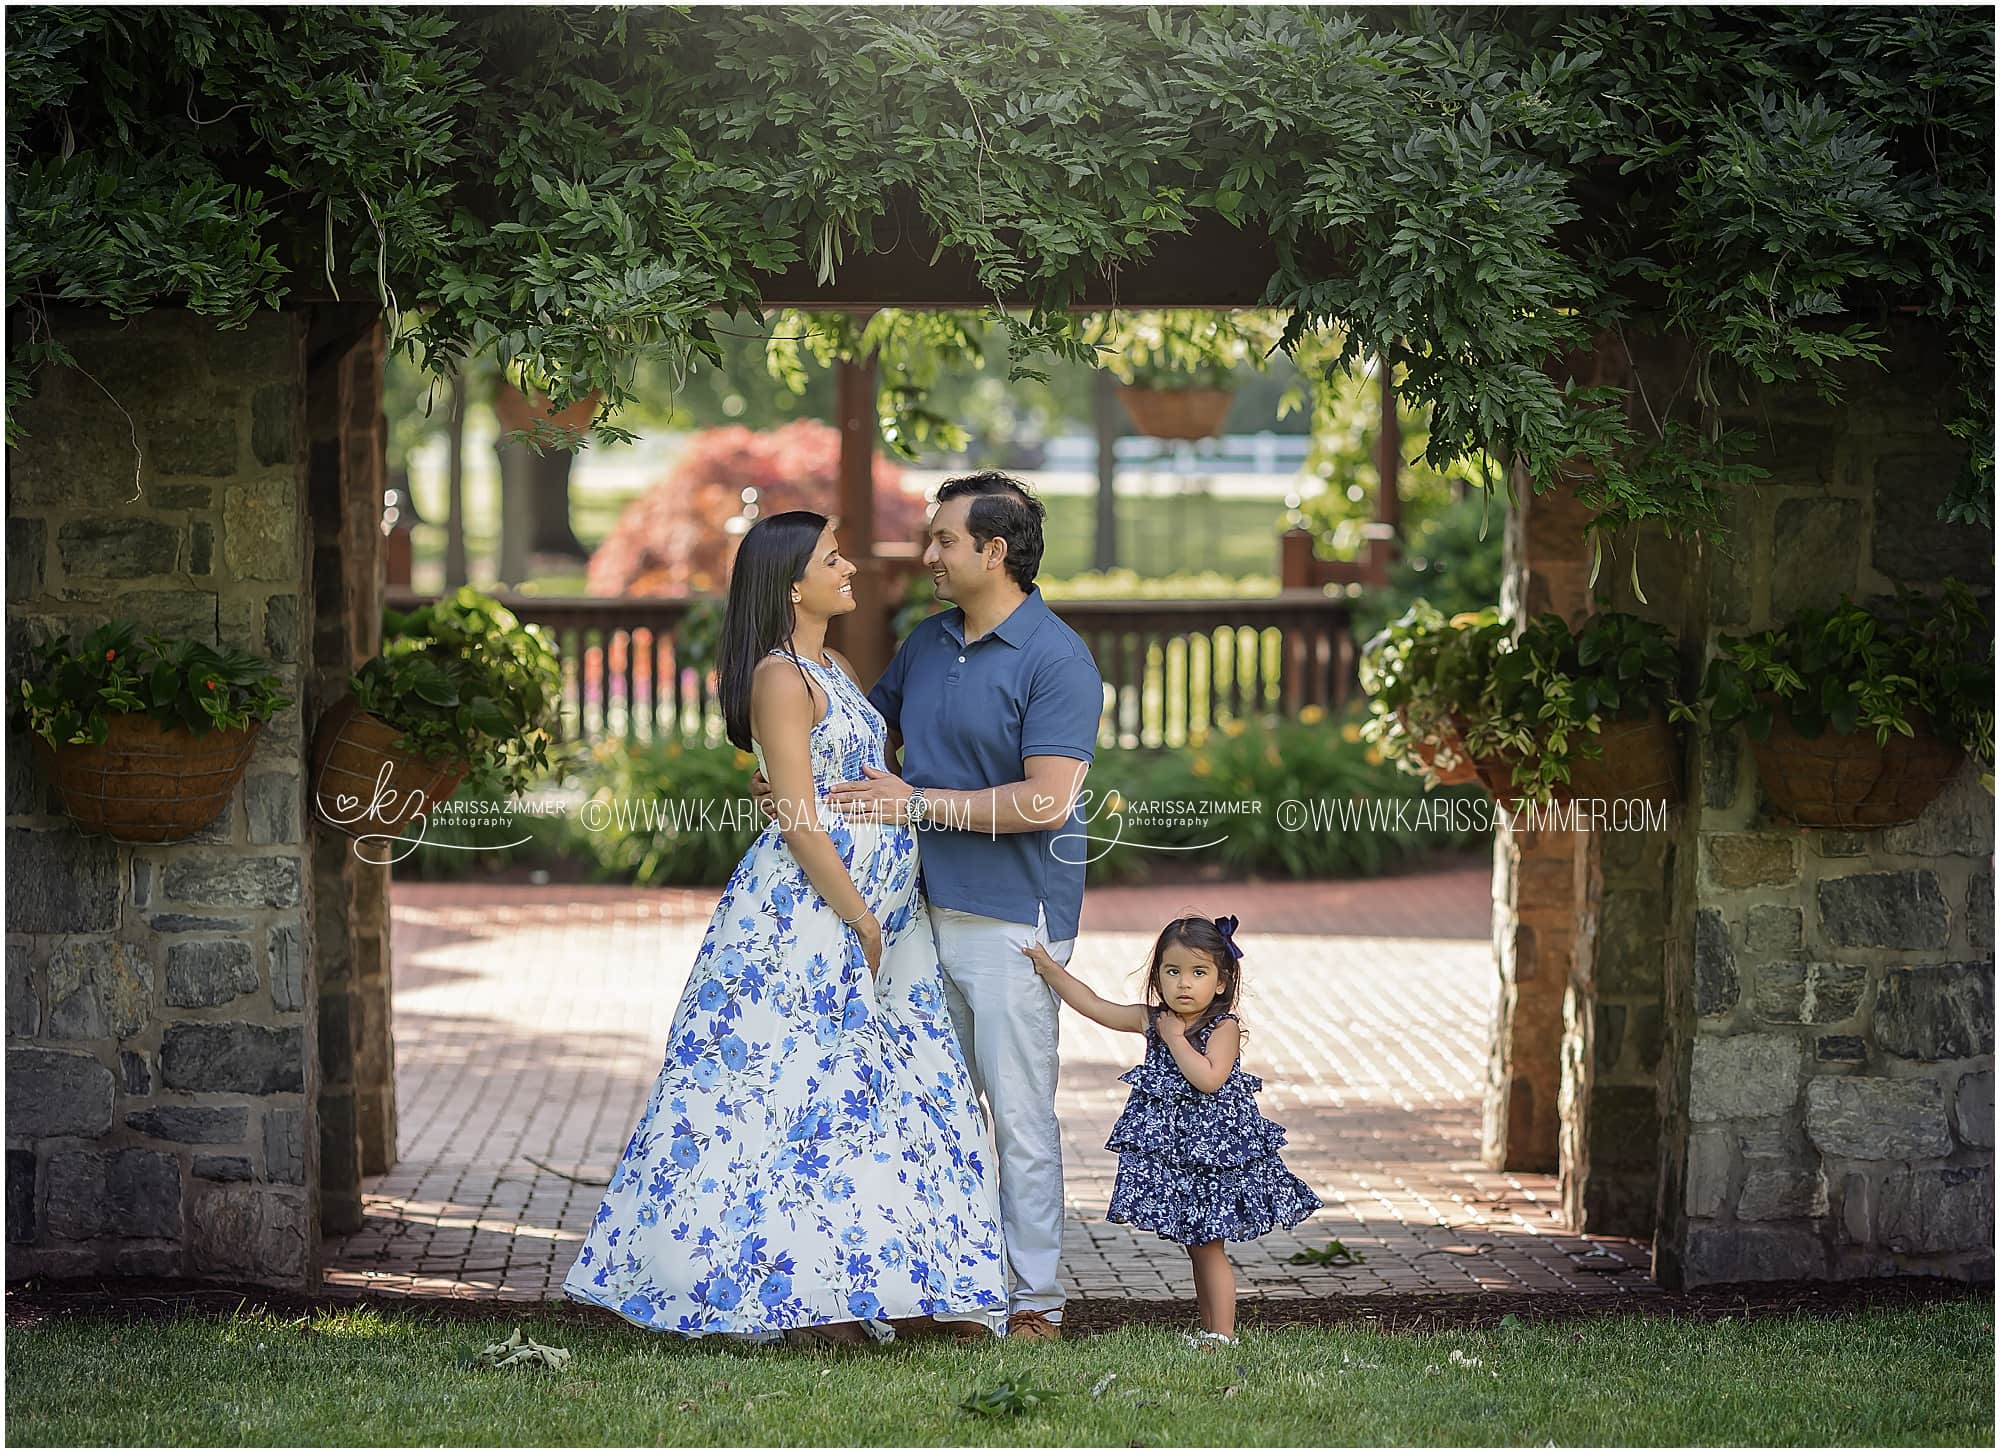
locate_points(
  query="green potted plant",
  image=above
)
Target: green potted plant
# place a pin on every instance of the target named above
(1858, 719)
(145, 742)
(461, 689)
(1411, 718)
(1582, 714)
(1542, 712)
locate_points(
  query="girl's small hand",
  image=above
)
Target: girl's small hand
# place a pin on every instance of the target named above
(1170, 1025)
(1039, 957)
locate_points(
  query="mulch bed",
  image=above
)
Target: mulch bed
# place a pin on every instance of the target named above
(41, 1303)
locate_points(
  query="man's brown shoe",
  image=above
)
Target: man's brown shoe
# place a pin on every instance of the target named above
(1033, 1327)
(828, 1334)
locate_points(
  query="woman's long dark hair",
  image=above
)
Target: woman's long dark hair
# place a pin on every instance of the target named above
(770, 561)
(1201, 935)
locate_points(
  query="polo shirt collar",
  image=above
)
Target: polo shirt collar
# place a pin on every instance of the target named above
(1025, 619)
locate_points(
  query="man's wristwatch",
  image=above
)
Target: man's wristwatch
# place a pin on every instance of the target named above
(917, 808)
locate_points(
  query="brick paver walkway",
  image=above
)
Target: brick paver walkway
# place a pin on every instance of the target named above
(530, 1025)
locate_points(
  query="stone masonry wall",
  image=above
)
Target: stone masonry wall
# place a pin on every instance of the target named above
(1572, 1082)
(1614, 1009)
(160, 1074)
(1829, 1091)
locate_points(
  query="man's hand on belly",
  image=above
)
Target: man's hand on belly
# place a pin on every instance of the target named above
(879, 796)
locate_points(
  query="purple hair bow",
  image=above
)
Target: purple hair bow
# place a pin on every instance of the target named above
(1227, 925)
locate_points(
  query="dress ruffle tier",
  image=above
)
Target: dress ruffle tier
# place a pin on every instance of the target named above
(1196, 1167)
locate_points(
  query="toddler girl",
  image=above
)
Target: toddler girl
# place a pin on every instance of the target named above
(1197, 1162)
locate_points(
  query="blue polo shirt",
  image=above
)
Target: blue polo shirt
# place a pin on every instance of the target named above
(970, 717)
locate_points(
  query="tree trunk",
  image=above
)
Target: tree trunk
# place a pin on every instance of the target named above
(1389, 453)
(862, 633)
(549, 476)
(456, 572)
(516, 512)
(1104, 401)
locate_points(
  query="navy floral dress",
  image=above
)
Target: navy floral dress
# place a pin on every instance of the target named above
(1195, 1166)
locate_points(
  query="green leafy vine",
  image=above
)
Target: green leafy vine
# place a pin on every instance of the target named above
(1467, 195)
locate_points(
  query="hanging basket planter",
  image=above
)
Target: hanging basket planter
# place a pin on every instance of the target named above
(363, 785)
(147, 783)
(1849, 663)
(1848, 779)
(113, 721)
(1640, 760)
(1494, 772)
(1177, 413)
(516, 413)
(462, 675)
(1444, 742)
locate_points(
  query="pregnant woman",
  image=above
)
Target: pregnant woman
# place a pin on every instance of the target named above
(812, 1159)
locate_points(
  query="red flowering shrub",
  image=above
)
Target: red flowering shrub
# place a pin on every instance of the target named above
(674, 540)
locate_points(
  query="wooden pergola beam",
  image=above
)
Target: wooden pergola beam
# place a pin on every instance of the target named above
(1213, 265)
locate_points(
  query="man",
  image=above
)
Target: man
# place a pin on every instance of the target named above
(995, 707)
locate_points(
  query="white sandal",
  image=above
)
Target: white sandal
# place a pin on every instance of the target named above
(1208, 1341)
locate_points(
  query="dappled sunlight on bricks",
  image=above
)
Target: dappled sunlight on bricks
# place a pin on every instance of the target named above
(531, 1023)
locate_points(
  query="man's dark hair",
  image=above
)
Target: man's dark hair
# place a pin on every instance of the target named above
(1002, 507)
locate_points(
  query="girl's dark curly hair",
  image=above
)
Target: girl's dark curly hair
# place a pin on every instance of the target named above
(1201, 935)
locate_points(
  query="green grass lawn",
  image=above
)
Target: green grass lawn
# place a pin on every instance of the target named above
(1904, 1376)
(1171, 536)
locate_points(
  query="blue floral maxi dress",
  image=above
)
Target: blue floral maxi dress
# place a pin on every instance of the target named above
(1199, 1166)
(812, 1151)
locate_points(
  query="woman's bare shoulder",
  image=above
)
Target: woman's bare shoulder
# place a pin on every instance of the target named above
(778, 681)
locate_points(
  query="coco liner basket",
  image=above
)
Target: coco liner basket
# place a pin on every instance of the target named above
(1640, 760)
(147, 783)
(1177, 413)
(1446, 740)
(1848, 779)
(363, 785)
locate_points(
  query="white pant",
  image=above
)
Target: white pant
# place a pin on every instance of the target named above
(1006, 1019)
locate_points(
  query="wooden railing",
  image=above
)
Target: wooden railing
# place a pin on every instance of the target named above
(1170, 667)
(1175, 666)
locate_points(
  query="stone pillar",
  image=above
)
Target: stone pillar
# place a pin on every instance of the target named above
(160, 1091)
(1573, 1084)
(1535, 871)
(1613, 1034)
(357, 1061)
(1614, 1017)
(1829, 1101)
(365, 464)
(1615, 1006)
